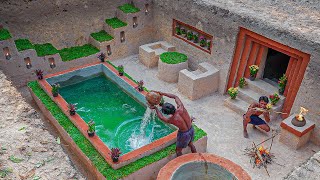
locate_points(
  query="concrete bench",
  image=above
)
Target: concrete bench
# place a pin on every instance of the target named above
(149, 53)
(199, 83)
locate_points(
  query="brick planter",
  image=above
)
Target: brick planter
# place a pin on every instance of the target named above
(170, 72)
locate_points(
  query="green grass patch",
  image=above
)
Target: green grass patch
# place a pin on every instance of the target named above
(23, 44)
(101, 36)
(68, 54)
(115, 23)
(129, 8)
(87, 148)
(173, 57)
(4, 34)
(45, 49)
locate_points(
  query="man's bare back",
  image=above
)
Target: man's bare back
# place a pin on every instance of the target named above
(181, 119)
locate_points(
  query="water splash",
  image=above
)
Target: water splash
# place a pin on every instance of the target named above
(141, 137)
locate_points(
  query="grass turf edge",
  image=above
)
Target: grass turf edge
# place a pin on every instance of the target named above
(86, 147)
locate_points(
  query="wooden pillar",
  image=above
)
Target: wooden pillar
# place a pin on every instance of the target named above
(243, 60)
(252, 58)
(235, 61)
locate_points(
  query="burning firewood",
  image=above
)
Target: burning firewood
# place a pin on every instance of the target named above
(260, 156)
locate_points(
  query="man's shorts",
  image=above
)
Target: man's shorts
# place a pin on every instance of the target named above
(184, 138)
(256, 120)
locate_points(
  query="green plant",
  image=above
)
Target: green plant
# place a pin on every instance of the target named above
(15, 159)
(115, 23)
(242, 82)
(23, 44)
(178, 30)
(45, 49)
(173, 57)
(253, 70)
(91, 126)
(120, 69)
(203, 41)
(115, 153)
(129, 8)
(274, 98)
(183, 31)
(282, 83)
(233, 92)
(68, 54)
(101, 36)
(189, 35)
(39, 74)
(140, 85)
(209, 44)
(55, 89)
(72, 109)
(4, 34)
(195, 38)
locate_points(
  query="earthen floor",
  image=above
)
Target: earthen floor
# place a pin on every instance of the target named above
(224, 127)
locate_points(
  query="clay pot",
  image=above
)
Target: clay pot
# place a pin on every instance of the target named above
(115, 159)
(72, 113)
(55, 94)
(298, 123)
(252, 78)
(153, 98)
(90, 134)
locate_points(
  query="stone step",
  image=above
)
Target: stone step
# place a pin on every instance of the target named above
(251, 96)
(248, 95)
(237, 105)
(240, 107)
(262, 87)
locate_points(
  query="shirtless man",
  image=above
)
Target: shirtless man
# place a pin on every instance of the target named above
(252, 116)
(180, 118)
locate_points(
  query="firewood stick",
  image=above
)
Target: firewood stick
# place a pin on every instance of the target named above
(271, 141)
(264, 110)
(261, 159)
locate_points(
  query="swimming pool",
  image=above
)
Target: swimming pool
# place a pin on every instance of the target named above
(117, 109)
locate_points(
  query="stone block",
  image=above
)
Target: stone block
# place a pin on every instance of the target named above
(170, 72)
(149, 53)
(293, 136)
(199, 83)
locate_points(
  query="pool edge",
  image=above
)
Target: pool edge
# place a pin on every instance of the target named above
(102, 148)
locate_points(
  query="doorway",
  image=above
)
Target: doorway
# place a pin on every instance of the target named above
(276, 65)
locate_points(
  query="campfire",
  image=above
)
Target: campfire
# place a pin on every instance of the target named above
(261, 156)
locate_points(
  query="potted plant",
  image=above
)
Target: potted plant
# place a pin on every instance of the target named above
(140, 85)
(55, 90)
(242, 82)
(209, 45)
(183, 32)
(253, 72)
(282, 84)
(203, 41)
(233, 92)
(72, 109)
(121, 70)
(102, 56)
(189, 35)
(91, 128)
(115, 154)
(39, 74)
(195, 38)
(178, 30)
(274, 98)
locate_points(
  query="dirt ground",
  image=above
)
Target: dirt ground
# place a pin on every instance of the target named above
(27, 149)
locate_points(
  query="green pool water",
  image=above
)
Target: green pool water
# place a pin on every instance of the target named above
(117, 115)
